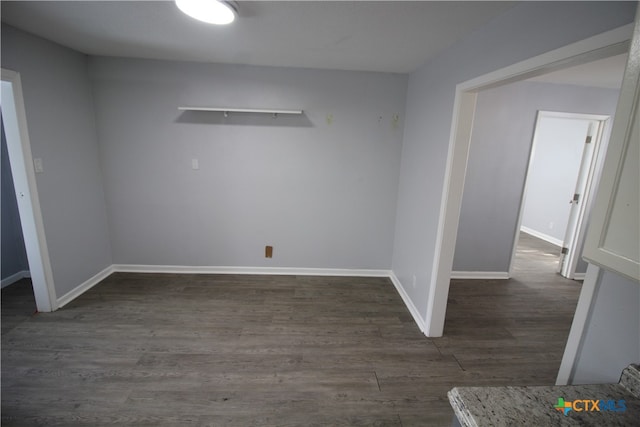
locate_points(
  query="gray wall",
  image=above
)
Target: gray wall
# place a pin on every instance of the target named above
(323, 195)
(61, 127)
(14, 255)
(612, 335)
(498, 158)
(526, 30)
(553, 175)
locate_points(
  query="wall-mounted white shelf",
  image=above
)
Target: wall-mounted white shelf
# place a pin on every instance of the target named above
(227, 110)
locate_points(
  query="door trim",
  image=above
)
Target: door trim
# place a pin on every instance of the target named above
(19, 147)
(575, 236)
(585, 305)
(603, 45)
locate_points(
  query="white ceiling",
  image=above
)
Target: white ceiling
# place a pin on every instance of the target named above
(387, 36)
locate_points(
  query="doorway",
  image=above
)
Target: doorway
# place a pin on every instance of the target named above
(23, 173)
(561, 174)
(18, 301)
(14, 256)
(608, 44)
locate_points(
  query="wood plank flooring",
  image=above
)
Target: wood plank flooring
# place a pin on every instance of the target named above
(512, 331)
(220, 350)
(18, 304)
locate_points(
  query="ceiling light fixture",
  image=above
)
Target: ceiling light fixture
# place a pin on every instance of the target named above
(211, 11)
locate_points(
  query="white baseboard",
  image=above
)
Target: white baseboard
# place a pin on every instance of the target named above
(579, 276)
(181, 269)
(542, 236)
(486, 275)
(408, 303)
(84, 287)
(177, 269)
(24, 274)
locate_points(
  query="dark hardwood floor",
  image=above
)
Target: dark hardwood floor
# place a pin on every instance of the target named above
(512, 332)
(209, 350)
(18, 304)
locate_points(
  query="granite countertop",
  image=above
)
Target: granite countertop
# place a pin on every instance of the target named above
(510, 406)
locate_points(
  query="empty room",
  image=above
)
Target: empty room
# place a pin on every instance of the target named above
(277, 216)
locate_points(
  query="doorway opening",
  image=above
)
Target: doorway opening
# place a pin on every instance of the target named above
(611, 43)
(18, 301)
(24, 180)
(14, 256)
(562, 172)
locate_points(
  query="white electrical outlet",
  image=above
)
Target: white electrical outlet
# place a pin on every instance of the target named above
(194, 164)
(413, 282)
(551, 226)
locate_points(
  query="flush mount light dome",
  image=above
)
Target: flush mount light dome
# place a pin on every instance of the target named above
(210, 11)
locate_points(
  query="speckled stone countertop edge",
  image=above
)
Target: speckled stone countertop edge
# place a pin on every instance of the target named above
(459, 408)
(476, 406)
(630, 380)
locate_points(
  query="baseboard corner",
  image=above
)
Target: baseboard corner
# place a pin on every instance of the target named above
(408, 303)
(84, 287)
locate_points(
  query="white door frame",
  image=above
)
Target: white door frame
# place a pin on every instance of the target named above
(610, 43)
(588, 178)
(24, 178)
(579, 229)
